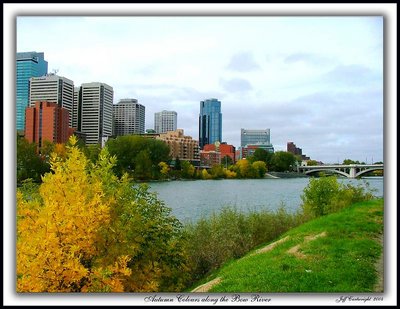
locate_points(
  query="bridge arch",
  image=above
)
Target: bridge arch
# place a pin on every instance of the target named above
(368, 170)
(325, 170)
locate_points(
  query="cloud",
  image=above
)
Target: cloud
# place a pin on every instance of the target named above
(243, 62)
(307, 58)
(236, 85)
(352, 75)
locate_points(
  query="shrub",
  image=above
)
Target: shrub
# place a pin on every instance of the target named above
(230, 234)
(326, 195)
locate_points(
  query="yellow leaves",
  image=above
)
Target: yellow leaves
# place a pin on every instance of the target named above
(109, 279)
(54, 236)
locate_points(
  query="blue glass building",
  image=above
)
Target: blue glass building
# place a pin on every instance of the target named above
(29, 64)
(210, 122)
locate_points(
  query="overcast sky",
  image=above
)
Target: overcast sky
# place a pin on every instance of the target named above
(315, 81)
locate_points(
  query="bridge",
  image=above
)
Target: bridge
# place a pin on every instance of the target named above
(349, 171)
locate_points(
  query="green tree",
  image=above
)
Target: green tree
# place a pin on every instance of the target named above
(217, 171)
(143, 165)
(29, 163)
(349, 161)
(226, 161)
(127, 148)
(312, 163)
(261, 155)
(187, 170)
(178, 164)
(260, 168)
(282, 161)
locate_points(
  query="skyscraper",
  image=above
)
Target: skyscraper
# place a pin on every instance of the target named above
(76, 109)
(165, 121)
(210, 122)
(52, 88)
(29, 64)
(97, 111)
(129, 117)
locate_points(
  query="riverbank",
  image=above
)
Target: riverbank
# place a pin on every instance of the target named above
(285, 175)
(337, 253)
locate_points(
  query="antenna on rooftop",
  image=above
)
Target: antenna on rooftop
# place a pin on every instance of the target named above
(54, 71)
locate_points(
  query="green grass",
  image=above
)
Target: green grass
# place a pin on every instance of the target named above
(342, 261)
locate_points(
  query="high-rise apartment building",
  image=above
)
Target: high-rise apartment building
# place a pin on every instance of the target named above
(181, 146)
(47, 121)
(29, 64)
(52, 88)
(210, 122)
(165, 121)
(129, 117)
(97, 111)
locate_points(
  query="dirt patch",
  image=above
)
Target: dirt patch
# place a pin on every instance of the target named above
(296, 249)
(207, 286)
(270, 246)
(379, 286)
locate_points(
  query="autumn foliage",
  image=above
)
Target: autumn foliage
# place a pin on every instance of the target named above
(88, 230)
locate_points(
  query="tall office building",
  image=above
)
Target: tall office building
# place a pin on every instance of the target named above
(210, 122)
(76, 109)
(251, 140)
(29, 64)
(165, 121)
(253, 137)
(97, 112)
(129, 117)
(52, 88)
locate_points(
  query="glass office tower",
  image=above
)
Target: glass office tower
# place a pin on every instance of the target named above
(210, 122)
(29, 64)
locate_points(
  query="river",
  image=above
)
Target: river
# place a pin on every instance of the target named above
(191, 200)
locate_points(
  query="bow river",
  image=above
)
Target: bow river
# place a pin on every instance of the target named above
(192, 199)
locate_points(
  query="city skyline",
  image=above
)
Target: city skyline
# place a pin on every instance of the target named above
(316, 81)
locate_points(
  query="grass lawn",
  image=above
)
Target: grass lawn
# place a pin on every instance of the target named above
(334, 253)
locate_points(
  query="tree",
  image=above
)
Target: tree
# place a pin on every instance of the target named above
(227, 161)
(188, 170)
(143, 165)
(349, 161)
(260, 168)
(217, 171)
(282, 161)
(164, 169)
(261, 155)
(91, 231)
(29, 163)
(57, 235)
(312, 163)
(127, 148)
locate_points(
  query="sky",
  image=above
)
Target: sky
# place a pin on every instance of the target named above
(316, 81)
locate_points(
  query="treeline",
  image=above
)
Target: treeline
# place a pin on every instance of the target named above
(87, 229)
(146, 159)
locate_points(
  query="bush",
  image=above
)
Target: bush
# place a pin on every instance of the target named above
(230, 234)
(326, 195)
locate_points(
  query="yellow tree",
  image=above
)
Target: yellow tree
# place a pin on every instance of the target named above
(164, 169)
(57, 233)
